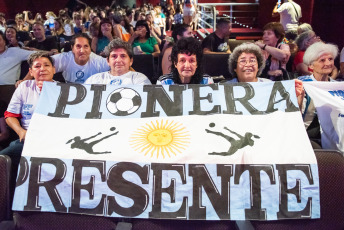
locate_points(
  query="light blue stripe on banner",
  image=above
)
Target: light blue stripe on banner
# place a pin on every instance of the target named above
(109, 102)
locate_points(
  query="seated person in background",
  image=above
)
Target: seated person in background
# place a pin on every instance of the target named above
(119, 30)
(141, 38)
(80, 63)
(186, 58)
(276, 53)
(41, 42)
(2, 22)
(22, 36)
(217, 42)
(119, 55)
(10, 61)
(303, 28)
(79, 27)
(25, 98)
(11, 37)
(105, 35)
(303, 41)
(179, 31)
(319, 57)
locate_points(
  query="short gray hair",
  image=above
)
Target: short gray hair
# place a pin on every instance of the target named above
(316, 50)
(245, 48)
(118, 43)
(37, 55)
(303, 28)
(302, 39)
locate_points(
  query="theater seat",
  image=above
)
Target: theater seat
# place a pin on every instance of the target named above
(5, 169)
(145, 64)
(216, 65)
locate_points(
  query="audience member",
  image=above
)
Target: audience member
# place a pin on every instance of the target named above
(303, 41)
(41, 42)
(2, 22)
(180, 31)
(141, 38)
(22, 36)
(186, 58)
(217, 42)
(118, 28)
(189, 11)
(79, 27)
(275, 52)
(119, 57)
(290, 14)
(25, 98)
(10, 61)
(319, 57)
(80, 63)
(11, 37)
(105, 35)
(303, 28)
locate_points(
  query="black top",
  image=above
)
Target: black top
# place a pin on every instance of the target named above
(48, 44)
(214, 43)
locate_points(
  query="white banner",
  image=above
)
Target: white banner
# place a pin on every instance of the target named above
(328, 98)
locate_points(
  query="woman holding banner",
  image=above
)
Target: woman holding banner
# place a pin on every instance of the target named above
(186, 68)
(319, 57)
(25, 98)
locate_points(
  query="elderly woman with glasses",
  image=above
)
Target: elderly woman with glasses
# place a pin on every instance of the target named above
(186, 68)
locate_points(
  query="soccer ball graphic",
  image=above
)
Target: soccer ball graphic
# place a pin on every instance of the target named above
(123, 102)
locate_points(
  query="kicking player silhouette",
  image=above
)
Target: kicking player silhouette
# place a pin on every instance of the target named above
(235, 144)
(88, 147)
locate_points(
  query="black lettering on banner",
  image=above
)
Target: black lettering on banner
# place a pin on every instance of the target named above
(255, 212)
(278, 86)
(97, 98)
(283, 212)
(156, 93)
(23, 171)
(170, 190)
(220, 202)
(230, 99)
(119, 185)
(79, 165)
(50, 186)
(62, 101)
(197, 100)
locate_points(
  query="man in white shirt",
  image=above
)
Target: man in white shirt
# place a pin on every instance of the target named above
(290, 14)
(119, 57)
(80, 63)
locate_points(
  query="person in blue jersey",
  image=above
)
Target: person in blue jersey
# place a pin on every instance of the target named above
(186, 68)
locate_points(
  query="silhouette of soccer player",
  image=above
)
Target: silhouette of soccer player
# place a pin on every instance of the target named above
(235, 144)
(88, 147)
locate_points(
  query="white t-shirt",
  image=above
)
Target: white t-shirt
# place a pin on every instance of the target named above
(130, 78)
(75, 73)
(24, 101)
(10, 61)
(288, 16)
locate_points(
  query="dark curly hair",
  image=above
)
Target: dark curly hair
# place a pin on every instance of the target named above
(187, 46)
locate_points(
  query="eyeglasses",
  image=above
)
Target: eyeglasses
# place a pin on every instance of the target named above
(250, 62)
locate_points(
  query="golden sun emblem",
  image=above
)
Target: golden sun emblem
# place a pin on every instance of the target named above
(165, 138)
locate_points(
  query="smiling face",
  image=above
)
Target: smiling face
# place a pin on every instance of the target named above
(42, 70)
(186, 67)
(119, 62)
(81, 51)
(247, 68)
(106, 28)
(10, 34)
(323, 65)
(269, 38)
